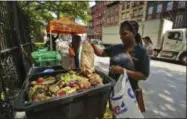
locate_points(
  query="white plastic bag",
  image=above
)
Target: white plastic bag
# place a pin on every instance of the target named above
(123, 100)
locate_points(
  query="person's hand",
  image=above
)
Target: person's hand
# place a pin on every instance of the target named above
(116, 69)
(90, 41)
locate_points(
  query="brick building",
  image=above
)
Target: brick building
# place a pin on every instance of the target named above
(175, 11)
(112, 14)
(133, 10)
(97, 18)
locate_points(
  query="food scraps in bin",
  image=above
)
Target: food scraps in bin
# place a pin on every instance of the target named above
(61, 85)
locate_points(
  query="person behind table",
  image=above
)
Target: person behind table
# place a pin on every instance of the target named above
(148, 45)
(76, 40)
(47, 44)
(129, 56)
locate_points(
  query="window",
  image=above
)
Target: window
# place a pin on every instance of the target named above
(134, 12)
(108, 20)
(175, 36)
(150, 11)
(112, 19)
(127, 15)
(117, 8)
(132, 4)
(128, 5)
(111, 11)
(181, 4)
(140, 11)
(123, 7)
(116, 18)
(170, 6)
(178, 21)
(159, 8)
(137, 3)
(108, 12)
(122, 16)
(141, 2)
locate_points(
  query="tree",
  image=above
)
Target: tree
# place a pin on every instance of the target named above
(41, 12)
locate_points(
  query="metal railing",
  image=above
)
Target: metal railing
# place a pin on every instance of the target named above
(14, 39)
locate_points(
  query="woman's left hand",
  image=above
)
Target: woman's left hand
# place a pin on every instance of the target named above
(116, 69)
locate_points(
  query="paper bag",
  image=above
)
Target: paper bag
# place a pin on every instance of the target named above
(87, 58)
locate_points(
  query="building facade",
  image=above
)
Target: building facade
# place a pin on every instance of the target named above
(97, 18)
(133, 10)
(112, 14)
(175, 11)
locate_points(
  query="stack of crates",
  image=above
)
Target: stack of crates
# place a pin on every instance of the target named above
(44, 58)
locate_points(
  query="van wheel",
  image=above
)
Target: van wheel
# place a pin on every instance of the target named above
(183, 58)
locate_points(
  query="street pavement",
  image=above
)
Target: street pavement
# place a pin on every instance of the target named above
(164, 90)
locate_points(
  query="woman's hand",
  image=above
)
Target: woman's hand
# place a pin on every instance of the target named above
(90, 41)
(117, 69)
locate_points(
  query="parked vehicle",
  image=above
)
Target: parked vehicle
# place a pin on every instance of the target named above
(110, 35)
(168, 43)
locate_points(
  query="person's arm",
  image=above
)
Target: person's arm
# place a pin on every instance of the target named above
(136, 75)
(98, 51)
(150, 50)
(142, 71)
(132, 74)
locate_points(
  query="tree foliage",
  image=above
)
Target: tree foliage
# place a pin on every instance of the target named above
(41, 12)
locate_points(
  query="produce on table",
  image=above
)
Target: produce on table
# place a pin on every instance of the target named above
(61, 85)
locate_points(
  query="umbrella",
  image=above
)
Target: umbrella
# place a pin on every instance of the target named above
(65, 26)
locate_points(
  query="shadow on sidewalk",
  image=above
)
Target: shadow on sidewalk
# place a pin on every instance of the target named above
(165, 94)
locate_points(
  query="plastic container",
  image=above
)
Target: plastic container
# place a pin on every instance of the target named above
(45, 54)
(39, 70)
(46, 58)
(88, 104)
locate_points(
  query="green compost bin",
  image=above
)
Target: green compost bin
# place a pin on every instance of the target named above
(46, 58)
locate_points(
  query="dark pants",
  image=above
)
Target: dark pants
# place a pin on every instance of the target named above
(76, 59)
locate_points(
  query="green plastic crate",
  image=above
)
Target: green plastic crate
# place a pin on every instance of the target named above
(46, 58)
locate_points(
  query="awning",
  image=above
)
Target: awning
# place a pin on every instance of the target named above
(65, 26)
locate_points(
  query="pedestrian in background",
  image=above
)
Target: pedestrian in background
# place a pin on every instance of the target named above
(148, 45)
(47, 44)
(75, 44)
